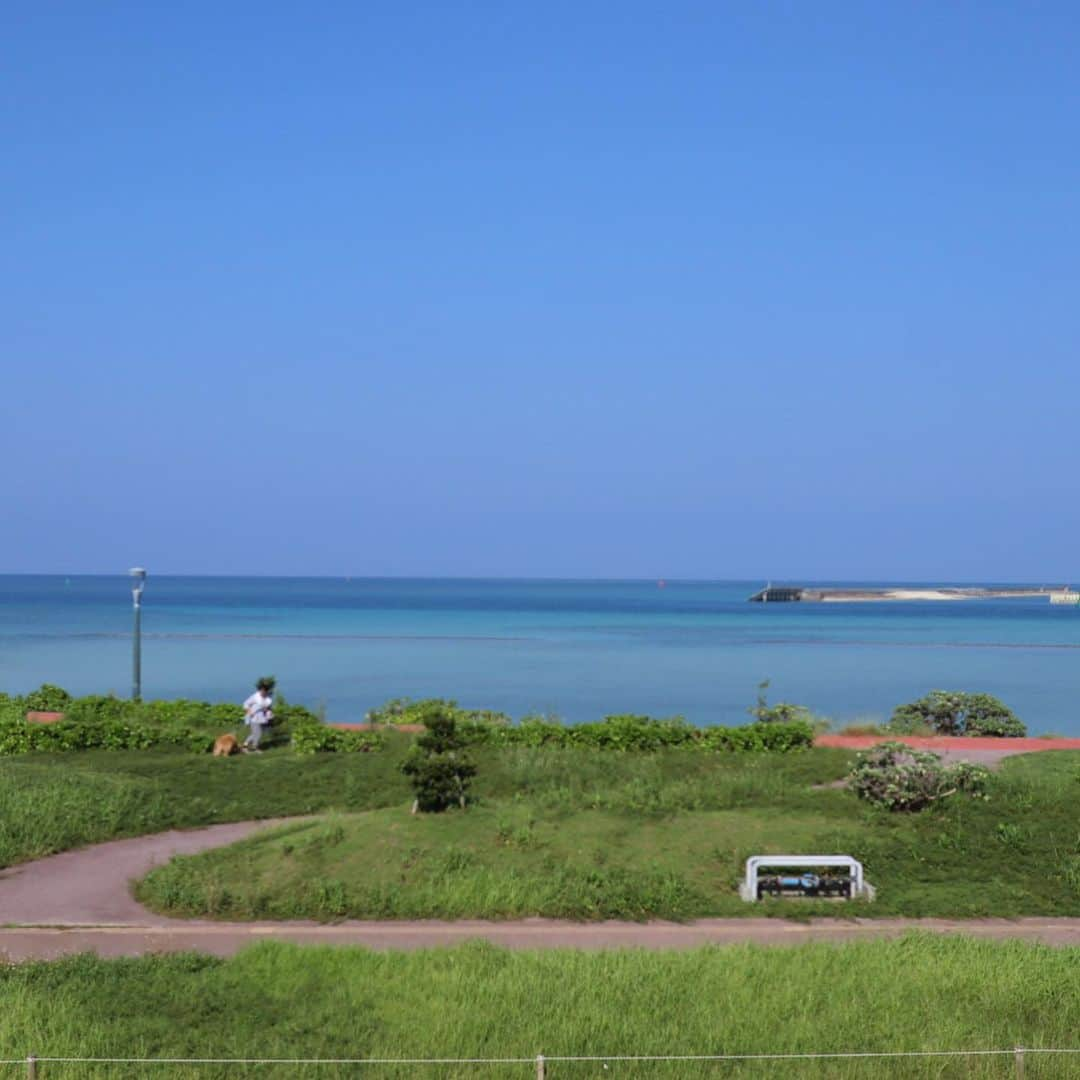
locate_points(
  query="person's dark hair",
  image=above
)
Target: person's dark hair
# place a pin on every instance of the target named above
(265, 683)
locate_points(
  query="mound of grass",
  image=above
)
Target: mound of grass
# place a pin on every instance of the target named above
(918, 993)
(571, 832)
(562, 834)
(51, 803)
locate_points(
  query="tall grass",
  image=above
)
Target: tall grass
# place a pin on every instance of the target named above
(916, 993)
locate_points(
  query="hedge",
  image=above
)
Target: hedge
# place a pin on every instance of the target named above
(109, 723)
(100, 722)
(621, 732)
(643, 733)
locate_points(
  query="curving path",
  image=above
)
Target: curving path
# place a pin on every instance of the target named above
(92, 885)
(81, 901)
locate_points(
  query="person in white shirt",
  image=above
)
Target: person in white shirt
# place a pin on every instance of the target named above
(259, 712)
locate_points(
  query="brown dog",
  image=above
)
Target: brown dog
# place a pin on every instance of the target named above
(225, 745)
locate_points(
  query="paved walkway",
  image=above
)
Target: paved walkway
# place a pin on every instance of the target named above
(80, 901)
(224, 939)
(92, 885)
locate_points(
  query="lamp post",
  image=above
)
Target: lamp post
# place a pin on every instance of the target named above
(139, 583)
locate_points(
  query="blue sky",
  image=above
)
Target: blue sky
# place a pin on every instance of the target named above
(682, 290)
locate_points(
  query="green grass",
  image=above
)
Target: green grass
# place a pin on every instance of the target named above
(567, 832)
(53, 802)
(578, 835)
(916, 993)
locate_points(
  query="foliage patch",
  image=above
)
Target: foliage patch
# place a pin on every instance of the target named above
(952, 712)
(896, 777)
(101, 722)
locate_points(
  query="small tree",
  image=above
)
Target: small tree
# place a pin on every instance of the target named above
(951, 712)
(894, 776)
(438, 765)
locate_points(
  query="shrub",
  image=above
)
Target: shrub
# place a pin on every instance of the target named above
(439, 766)
(783, 712)
(319, 738)
(11, 708)
(390, 712)
(47, 698)
(404, 710)
(309, 735)
(949, 712)
(896, 777)
(758, 737)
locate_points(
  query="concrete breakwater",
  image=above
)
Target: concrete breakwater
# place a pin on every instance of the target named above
(773, 594)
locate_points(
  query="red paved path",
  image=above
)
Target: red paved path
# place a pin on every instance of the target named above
(224, 939)
(1004, 747)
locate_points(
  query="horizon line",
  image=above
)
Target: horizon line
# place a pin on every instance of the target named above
(573, 579)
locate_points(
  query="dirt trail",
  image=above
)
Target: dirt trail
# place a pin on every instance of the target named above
(80, 901)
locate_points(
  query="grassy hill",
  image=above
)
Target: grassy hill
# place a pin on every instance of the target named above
(566, 832)
(578, 834)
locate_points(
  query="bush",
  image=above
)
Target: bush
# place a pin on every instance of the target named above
(439, 766)
(896, 777)
(776, 738)
(949, 712)
(319, 738)
(783, 712)
(47, 698)
(404, 710)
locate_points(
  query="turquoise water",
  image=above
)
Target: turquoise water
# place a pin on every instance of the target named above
(579, 649)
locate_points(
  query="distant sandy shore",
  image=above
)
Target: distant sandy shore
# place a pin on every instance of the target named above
(853, 596)
(891, 594)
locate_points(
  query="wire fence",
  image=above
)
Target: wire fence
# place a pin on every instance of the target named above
(34, 1064)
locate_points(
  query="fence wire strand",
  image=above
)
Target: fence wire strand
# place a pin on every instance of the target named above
(547, 1058)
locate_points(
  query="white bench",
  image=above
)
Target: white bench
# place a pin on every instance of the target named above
(860, 887)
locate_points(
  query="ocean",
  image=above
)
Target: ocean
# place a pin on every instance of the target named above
(578, 649)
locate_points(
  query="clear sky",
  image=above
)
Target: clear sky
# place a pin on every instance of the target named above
(562, 289)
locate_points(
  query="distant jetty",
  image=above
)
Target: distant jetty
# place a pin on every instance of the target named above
(787, 594)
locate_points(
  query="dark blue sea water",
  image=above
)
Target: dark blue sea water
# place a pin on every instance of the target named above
(577, 648)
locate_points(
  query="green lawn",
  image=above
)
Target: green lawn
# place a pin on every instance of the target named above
(52, 802)
(579, 834)
(278, 1001)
